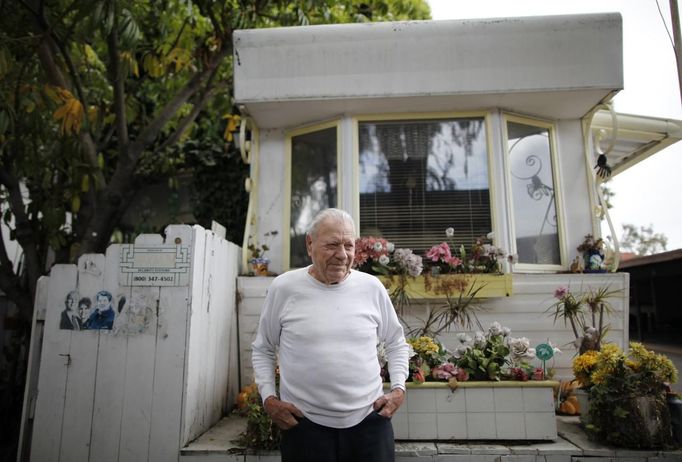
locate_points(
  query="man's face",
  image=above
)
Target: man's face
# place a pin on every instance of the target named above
(332, 250)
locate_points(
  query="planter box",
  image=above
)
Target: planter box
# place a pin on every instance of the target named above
(435, 287)
(477, 411)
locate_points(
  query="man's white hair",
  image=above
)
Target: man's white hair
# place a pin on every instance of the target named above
(331, 215)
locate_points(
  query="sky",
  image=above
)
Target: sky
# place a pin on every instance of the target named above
(650, 193)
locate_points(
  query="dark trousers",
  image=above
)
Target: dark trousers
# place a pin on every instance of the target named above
(369, 441)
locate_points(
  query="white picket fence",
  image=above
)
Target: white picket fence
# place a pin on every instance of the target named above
(164, 372)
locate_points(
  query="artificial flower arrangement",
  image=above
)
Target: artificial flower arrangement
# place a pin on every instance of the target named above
(493, 355)
(376, 255)
(259, 262)
(483, 256)
(627, 395)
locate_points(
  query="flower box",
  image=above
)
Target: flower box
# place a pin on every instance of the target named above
(431, 287)
(505, 410)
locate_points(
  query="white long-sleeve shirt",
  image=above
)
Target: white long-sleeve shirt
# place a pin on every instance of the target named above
(327, 337)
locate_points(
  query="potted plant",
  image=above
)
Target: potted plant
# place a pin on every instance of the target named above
(441, 274)
(627, 392)
(585, 313)
(485, 388)
(259, 262)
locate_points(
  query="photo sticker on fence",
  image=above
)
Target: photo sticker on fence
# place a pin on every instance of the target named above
(80, 314)
(154, 265)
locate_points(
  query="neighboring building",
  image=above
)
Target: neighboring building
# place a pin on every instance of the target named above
(655, 305)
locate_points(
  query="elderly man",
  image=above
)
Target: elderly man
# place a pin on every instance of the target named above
(327, 320)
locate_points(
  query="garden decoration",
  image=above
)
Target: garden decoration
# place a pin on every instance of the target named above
(592, 251)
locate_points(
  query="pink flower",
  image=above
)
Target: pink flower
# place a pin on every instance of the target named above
(418, 376)
(440, 252)
(461, 375)
(519, 374)
(453, 261)
(560, 292)
(538, 374)
(444, 371)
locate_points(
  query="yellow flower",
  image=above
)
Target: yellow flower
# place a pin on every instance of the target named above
(424, 345)
(583, 366)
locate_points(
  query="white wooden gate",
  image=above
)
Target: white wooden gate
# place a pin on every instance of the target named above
(163, 372)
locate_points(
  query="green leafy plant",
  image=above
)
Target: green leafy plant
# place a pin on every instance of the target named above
(484, 357)
(260, 432)
(585, 313)
(627, 396)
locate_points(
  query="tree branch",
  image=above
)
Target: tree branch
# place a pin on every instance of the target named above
(177, 39)
(153, 129)
(186, 121)
(119, 95)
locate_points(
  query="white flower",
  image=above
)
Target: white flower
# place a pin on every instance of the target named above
(378, 247)
(390, 246)
(495, 328)
(506, 331)
(479, 339)
(520, 348)
(450, 232)
(408, 261)
(459, 351)
(490, 235)
(383, 260)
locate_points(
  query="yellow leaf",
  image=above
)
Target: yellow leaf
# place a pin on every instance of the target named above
(90, 55)
(233, 121)
(75, 203)
(85, 183)
(61, 111)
